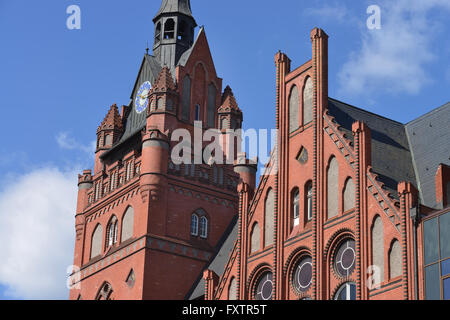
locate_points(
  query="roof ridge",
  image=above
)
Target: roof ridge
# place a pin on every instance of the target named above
(445, 105)
(368, 112)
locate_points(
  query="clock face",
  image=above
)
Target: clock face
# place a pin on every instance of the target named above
(141, 102)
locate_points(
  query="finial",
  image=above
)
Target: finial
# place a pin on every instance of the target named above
(146, 49)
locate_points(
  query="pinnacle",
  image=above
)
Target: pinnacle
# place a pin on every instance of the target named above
(112, 119)
(165, 80)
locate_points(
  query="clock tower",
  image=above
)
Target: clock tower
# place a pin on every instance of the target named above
(146, 225)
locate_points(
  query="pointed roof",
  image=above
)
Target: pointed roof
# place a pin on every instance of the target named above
(165, 81)
(228, 101)
(175, 6)
(113, 120)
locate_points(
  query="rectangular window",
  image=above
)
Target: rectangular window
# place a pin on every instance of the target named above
(444, 234)
(432, 282)
(431, 241)
(446, 286)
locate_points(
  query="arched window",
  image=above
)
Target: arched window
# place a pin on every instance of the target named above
(203, 227)
(332, 188)
(264, 287)
(215, 174)
(197, 112)
(108, 140)
(111, 232)
(378, 248)
(255, 238)
(128, 224)
(296, 207)
(182, 30)
(131, 279)
(349, 195)
(308, 101)
(346, 292)
(169, 29)
(308, 201)
(212, 93)
(269, 213)
(395, 260)
(194, 225)
(158, 33)
(105, 292)
(186, 98)
(294, 106)
(97, 238)
(232, 289)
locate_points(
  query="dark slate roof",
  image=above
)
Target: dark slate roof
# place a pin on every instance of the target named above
(391, 155)
(429, 137)
(175, 6)
(185, 56)
(219, 261)
(149, 71)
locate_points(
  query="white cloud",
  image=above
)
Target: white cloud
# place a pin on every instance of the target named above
(66, 142)
(395, 58)
(336, 11)
(37, 233)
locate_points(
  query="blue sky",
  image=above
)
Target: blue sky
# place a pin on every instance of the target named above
(56, 86)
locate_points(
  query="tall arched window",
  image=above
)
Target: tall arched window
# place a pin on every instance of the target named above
(332, 188)
(197, 112)
(308, 201)
(296, 207)
(232, 289)
(346, 292)
(395, 260)
(269, 214)
(294, 106)
(97, 238)
(128, 224)
(105, 292)
(158, 33)
(111, 232)
(194, 225)
(349, 195)
(378, 247)
(169, 29)
(255, 238)
(203, 227)
(212, 93)
(308, 101)
(186, 98)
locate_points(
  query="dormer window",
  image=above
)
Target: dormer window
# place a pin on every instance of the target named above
(169, 29)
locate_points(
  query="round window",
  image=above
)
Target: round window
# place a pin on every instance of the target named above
(345, 258)
(264, 287)
(303, 274)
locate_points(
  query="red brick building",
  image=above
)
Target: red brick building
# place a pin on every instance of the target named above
(358, 208)
(146, 226)
(351, 206)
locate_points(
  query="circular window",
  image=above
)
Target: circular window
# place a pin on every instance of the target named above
(264, 287)
(346, 292)
(302, 278)
(345, 258)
